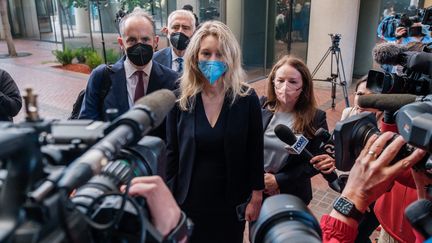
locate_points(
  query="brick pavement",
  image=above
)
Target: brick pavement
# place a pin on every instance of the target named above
(58, 89)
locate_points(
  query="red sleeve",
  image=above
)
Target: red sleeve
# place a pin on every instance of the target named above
(387, 127)
(335, 231)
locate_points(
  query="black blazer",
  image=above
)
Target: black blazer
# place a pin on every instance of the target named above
(160, 78)
(294, 177)
(243, 145)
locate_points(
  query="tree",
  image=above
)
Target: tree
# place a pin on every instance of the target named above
(6, 28)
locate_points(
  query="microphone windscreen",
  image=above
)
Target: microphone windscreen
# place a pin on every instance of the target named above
(158, 103)
(418, 214)
(285, 134)
(388, 53)
(385, 102)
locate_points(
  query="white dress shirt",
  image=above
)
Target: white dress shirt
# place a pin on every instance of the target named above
(174, 63)
(132, 79)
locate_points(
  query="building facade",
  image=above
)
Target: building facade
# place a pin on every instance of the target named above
(265, 29)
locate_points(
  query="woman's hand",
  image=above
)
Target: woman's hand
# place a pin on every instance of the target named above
(372, 174)
(271, 186)
(254, 206)
(324, 163)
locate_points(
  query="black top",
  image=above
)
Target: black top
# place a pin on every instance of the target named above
(208, 182)
(242, 149)
(10, 98)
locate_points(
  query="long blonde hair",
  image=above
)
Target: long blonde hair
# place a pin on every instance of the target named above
(306, 106)
(192, 81)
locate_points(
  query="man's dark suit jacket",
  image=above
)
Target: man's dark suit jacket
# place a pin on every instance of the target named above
(294, 177)
(164, 57)
(117, 97)
(10, 98)
(243, 148)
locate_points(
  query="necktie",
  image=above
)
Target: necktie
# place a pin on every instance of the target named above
(180, 65)
(139, 90)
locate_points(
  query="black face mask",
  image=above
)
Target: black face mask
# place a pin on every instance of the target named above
(179, 41)
(140, 54)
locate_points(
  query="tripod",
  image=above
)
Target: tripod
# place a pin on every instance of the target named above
(335, 77)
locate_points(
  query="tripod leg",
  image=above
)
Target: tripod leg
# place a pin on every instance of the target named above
(321, 62)
(333, 92)
(343, 82)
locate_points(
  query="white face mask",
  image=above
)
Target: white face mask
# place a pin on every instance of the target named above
(288, 93)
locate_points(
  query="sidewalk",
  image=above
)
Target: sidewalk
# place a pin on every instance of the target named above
(58, 90)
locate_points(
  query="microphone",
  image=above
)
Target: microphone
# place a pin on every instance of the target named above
(389, 53)
(419, 214)
(148, 113)
(389, 102)
(298, 146)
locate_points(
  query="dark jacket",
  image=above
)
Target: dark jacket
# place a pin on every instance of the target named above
(243, 146)
(294, 177)
(164, 57)
(117, 97)
(10, 98)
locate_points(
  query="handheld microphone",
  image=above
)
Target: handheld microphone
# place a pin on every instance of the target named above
(419, 214)
(389, 102)
(298, 146)
(148, 113)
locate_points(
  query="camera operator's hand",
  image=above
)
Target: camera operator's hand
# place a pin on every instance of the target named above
(324, 163)
(401, 32)
(163, 208)
(254, 206)
(372, 175)
(271, 185)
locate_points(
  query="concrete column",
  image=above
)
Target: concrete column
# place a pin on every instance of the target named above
(333, 16)
(82, 20)
(366, 36)
(234, 16)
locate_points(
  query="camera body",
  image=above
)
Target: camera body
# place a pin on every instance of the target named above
(34, 157)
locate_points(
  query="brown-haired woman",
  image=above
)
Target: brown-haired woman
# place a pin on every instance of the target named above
(291, 101)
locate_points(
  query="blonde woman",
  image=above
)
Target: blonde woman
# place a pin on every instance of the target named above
(214, 138)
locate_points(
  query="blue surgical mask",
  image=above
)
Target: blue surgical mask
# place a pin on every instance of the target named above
(212, 70)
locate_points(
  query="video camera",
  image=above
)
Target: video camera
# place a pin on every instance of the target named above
(416, 78)
(350, 135)
(61, 179)
(335, 39)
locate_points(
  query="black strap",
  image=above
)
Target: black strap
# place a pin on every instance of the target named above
(104, 89)
(182, 230)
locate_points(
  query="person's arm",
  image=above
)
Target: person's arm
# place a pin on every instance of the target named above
(370, 177)
(255, 147)
(89, 108)
(172, 164)
(10, 98)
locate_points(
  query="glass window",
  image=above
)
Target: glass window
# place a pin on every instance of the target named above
(291, 28)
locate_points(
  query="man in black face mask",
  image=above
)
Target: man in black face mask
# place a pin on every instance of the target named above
(181, 26)
(133, 76)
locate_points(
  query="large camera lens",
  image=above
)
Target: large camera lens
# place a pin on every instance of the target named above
(285, 218)
(351, 135)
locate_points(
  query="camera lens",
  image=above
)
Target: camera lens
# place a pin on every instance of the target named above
(285, 218)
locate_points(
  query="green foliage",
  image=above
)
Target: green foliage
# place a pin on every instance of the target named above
(93, 59)
(64, 57)
(112, 56)
(81, 53)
